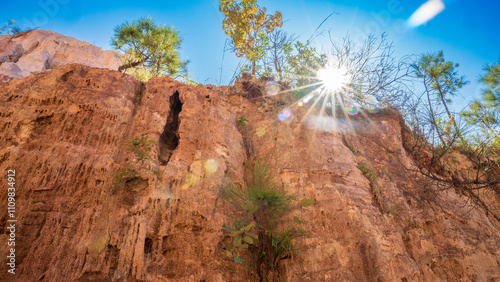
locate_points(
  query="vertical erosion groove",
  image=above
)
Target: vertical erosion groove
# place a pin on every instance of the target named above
(148, 245)
(169, 139)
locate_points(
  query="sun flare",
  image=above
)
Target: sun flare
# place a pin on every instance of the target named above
(334, 78)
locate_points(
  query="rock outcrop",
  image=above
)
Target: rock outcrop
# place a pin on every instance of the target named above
(88, 209)
(39, 50)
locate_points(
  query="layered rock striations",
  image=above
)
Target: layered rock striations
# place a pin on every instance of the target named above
(375, 218)
(89, 209)
(66, 132)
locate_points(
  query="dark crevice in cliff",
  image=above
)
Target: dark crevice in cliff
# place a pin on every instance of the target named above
(169, 139)
(139, 93)
(369, 174)
(148, 246)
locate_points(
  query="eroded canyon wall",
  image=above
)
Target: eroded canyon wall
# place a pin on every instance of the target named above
(88, 209)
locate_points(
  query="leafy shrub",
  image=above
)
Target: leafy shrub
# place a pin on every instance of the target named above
(242, 121)
(242, 238)
(267, 203)
(282, 241)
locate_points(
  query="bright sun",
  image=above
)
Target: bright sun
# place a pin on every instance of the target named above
(334, 78)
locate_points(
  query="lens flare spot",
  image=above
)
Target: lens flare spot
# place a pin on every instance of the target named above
(300, 104)
(272, 88)
(307, 98)
(426, 12)
(191, 179)
(260, 131)
(211, 166)
(286, 115)
(352, 109)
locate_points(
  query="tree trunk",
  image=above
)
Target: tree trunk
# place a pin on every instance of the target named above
(265, 251)
(130, 65)
(448, 111)
(277, 67)
(432, 114)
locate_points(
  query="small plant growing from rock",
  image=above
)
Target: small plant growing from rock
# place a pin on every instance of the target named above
(141, 148)
(187, 79)
(242, 122)
(353, 151)
(282, 241)
(367, 170)
(264, 201)
(242, 239)
(119, 177)
(392, 209)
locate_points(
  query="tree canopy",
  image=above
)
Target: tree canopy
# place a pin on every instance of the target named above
(152, 48)
(441, 81)
(485, 113)
(248, 26)
(491, 79)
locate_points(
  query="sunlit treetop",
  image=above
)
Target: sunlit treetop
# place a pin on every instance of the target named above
(244, 21)
(247, 25)
(154, 48)
(485, 113)
(442, 75)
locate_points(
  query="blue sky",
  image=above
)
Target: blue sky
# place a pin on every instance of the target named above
(467, 31)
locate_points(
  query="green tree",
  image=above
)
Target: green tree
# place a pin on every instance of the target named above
(266, 203)
(485, 113)
(150, 50)
(248, 26)
(303, 62)
(276, 61)
(441, 80)
(491, 95)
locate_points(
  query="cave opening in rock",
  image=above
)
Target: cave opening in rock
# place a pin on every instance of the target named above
(169, 139)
